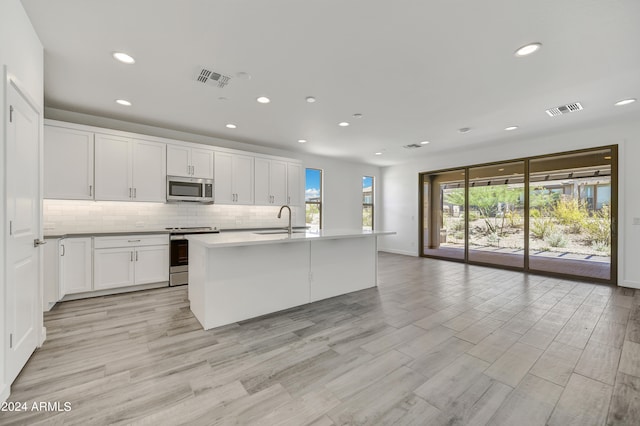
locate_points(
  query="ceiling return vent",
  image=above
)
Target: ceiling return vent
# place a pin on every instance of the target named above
(207, 76)
(412, 146)
(564, 109)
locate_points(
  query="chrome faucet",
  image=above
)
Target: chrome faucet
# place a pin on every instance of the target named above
(280, 215)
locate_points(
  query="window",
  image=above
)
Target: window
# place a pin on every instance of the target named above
(313, 198)
(367, 203)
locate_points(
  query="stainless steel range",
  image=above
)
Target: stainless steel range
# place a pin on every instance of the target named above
(179, 265)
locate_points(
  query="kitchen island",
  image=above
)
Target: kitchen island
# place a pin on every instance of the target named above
(240, 275)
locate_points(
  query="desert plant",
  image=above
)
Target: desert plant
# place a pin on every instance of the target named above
(514, 218)
(542, 226)
(598, 227)
(556, 239)
(572, 213)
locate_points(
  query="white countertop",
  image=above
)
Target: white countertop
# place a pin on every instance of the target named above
(234, 239)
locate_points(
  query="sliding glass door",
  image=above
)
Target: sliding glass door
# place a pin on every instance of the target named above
(443, 232)
(570, 220)
(551, 214)
(496, 214)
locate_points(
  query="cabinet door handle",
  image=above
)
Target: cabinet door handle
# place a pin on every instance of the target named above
(129, 192)
(133, 241)
(131, 256)
(135, 192)
(136, 255)
(90, 190)
(63, 251)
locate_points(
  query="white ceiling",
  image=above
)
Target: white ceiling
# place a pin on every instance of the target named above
(416, 69)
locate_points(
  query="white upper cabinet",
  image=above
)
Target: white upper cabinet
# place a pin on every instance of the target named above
(149, 172)
(113, 168)
(270, 182)
(234, 181)
(295, 187)
(189, 162)
(68, 164)
(129, 169)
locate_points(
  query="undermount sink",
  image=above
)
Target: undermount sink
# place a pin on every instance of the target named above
(284, 231)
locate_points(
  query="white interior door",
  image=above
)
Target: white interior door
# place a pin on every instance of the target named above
(23, 303)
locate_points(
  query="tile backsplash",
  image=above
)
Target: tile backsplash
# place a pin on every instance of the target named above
(67, 216)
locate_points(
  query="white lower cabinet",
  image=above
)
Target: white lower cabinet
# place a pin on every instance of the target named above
(75, 265)
(130, 260)
(113, 268)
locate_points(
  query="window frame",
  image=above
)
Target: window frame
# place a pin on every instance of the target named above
(320, 197)
(371, 204)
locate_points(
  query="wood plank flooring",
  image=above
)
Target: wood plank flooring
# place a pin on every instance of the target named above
(437, 343)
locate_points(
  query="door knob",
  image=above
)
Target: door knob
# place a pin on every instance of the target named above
(37, 242)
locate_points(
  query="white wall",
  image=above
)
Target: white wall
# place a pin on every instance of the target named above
(400, 185)
(342, 186)
(21, 52)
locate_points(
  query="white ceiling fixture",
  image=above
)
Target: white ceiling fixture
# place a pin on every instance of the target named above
(123, 102)
(625, 102)
(564, 109)
(378, 153)
(263, 100)
(510, 128)
(310, 99)
(527, 49)
(343, 124)
(231, 126)
(302, 141)
(243, 75)
(424, 142)
(124, 58)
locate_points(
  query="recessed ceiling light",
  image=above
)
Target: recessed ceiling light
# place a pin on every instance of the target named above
(464, 129)
(343, 124)
(608, 157)
(510, 128)
(302, 141)
(625, 102)
(123, 102)
(424, 142)
(263, 100)
(310, 99)
(124, 58)
(501, 170)
(243, 75)
(378, 153)
(357, 115)
(231, 126)
(528, 49)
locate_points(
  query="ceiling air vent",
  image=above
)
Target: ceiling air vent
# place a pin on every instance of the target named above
(412, 146)
(206, 76)
(564, 109)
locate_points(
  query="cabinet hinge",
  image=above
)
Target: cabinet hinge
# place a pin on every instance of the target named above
(10, 113)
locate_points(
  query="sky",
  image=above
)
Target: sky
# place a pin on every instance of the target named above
(312, 186)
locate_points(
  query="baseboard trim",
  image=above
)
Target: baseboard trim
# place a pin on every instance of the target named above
(406, 253)
(43, 336)
(629, 284)
(110, 291)
(4, 393)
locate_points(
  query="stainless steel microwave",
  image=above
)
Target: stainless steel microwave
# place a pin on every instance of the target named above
(189, 189)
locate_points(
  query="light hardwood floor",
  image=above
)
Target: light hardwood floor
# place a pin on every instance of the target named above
(437, 343)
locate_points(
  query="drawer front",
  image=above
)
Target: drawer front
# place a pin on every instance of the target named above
(130, 241)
